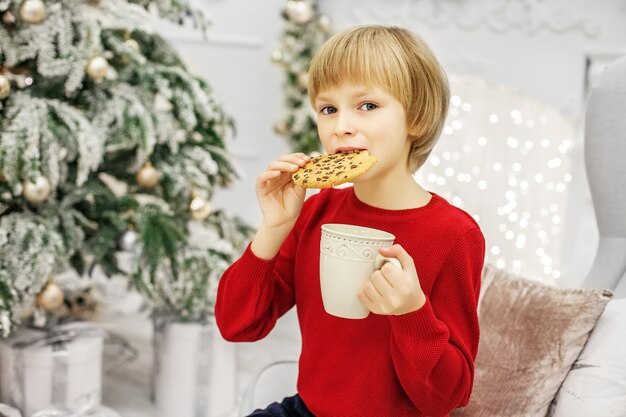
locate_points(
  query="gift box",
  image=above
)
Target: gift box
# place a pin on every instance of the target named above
(195, 370)
(41, 368)
(96, 411)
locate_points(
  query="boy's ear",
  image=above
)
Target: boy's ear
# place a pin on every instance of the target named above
(413, 131)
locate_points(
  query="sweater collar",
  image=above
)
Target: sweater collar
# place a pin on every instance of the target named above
(360, 207)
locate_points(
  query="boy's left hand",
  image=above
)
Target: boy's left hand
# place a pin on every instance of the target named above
(393, 291)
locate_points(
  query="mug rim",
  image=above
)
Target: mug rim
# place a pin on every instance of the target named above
(377, 233)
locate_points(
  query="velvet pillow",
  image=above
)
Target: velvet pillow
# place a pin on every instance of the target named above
(531, 334)
(596, 384)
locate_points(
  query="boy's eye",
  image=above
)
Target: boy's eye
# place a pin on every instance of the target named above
(328, 110)
(368, 106)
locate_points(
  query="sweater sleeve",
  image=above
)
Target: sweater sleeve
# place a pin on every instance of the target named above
(254, 293)
(433, 349)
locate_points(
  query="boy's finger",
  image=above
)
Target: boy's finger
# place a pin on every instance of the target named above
(283, 166)
(267, 175)
(295, 158)
(398, 252)
(366, 300)
(381, 283)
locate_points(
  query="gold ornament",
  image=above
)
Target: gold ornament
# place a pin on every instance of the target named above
(38, 191)
(277, 56)
(147, 176)
(50, 297)
(33, 11)
(325, 23)
(5, 87)
(290, 41)
(281, 127)
(8, 19)
(133, 44)
(303, 80)
(97, 68)
(199, 208)
(299, 11)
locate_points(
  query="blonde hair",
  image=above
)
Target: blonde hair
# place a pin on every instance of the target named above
(398, 61)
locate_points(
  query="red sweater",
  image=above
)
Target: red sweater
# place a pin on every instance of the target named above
(417, 364)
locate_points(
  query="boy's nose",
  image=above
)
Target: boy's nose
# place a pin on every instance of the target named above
(344, 126)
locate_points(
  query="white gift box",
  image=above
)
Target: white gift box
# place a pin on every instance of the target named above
(194, 370)
(39, 368)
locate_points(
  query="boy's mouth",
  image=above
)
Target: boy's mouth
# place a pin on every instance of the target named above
(348, 149)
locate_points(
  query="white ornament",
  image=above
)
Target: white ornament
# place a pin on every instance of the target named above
(97, 68)
(299, 11)
(38, 191)
(33, 11)
(128, 240)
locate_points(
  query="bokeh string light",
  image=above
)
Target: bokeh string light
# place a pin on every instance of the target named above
(505, 159)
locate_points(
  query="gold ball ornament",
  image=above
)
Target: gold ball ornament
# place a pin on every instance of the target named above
(5, 87)
(303, 80)
(133, 44)
(281, 127)
(97, 68)
(38, 191)
(290, 41)
(299, 11)
(50, 297)
(325, 23)
(199, 208)
(32, 11)
(277, 56)
(147, 176)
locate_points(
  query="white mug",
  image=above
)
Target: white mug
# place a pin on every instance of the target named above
(348, 257)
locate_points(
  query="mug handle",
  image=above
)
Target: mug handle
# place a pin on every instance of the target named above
(381, 260)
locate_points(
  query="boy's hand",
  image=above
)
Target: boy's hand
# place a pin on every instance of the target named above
(279, 198)
(393, 291)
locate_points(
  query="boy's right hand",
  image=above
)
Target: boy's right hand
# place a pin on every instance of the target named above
(280, 199)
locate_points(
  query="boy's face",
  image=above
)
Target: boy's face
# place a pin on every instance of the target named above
(355, 116)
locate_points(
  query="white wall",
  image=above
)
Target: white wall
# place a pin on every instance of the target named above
(538, 46)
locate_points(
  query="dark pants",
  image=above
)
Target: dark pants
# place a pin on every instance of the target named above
(289, 407)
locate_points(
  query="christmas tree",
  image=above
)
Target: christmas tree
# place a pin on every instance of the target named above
(305, 30)
(108, 143)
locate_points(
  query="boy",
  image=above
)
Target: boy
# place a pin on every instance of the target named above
(381, 89)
